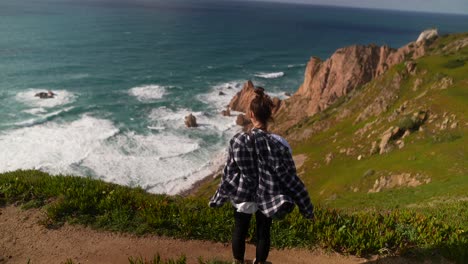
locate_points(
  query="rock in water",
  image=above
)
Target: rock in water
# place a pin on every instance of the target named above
(226, 112)
(190, 121)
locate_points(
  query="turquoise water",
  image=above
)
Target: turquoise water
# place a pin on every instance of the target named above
(127, 72)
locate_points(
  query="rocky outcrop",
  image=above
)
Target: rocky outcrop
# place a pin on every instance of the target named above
(243, 121)
(241, 101)
(191, 121)
(391, 133)
(348, 68)
(427, 35)
(226, 112)
(398, 180)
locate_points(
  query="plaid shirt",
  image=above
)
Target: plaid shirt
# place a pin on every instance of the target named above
(260, 169)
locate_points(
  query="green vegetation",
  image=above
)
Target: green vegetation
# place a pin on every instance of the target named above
(118, 208)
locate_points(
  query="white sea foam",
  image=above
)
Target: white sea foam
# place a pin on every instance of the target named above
(220, 95)
(148, 92)
(272, 75)
(62, 97)
(148, 161)
(52, 146)
(161, 163)
(42, 117)
(280, 95)
(166, 118)
(35, 111)
(156, 127)
(295, 65)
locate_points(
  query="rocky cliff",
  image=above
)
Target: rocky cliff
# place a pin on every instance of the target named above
(384, 127)
(347, 69)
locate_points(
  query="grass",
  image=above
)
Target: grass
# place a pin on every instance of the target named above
(117, 208)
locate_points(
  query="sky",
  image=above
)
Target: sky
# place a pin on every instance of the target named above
(433, 6)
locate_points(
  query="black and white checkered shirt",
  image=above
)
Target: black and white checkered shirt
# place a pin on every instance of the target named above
(260, 169)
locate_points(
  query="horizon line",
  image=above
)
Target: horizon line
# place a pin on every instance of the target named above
(363, 7)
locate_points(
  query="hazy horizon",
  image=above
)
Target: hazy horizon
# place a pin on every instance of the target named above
(455, 7)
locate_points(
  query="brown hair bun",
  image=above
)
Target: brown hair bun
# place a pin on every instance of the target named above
(259, 91)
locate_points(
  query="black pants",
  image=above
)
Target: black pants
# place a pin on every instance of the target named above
(241, 227)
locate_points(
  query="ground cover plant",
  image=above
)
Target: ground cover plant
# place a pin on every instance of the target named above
(118, 208)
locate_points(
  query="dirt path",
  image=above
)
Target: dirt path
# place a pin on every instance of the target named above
(22, 238)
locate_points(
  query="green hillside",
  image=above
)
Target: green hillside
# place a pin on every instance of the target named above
(425, 170)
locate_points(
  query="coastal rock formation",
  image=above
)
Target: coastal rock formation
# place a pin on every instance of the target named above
(427, 35)
(241, 101)
(191, 121)
(347, 69)
(243, 121)
(226, 112)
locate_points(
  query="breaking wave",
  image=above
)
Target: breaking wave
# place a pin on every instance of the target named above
(148, 92)
(272, 75)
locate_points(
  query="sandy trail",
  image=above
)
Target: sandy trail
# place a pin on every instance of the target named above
(23, 238)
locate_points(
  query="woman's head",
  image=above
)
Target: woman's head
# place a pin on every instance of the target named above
(261, 107)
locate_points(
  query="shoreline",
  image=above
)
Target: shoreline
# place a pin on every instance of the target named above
(195, 187)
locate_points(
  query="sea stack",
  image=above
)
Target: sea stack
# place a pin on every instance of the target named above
(191, 121)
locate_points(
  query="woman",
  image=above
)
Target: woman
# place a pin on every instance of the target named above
(260, 178)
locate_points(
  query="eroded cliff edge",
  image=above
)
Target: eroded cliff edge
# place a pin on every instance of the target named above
(325, 82)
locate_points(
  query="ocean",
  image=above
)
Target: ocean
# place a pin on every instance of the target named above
(126, 73)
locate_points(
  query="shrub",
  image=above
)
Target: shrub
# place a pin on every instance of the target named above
(456, 63)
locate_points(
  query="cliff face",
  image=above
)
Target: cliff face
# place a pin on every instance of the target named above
(327, 81)
(347, 69)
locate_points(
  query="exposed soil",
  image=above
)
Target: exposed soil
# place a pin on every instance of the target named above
(23, 238)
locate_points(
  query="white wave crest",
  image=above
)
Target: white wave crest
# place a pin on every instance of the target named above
(62, 97)
(53, 146)
(161, 163)
(42, 118)
(272, 75)
(220, 95)
(35, 111)
(148, 92)
(280, 95)
(296, 65)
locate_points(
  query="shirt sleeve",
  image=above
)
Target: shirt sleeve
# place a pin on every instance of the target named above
(294, 187)
(228, 184)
